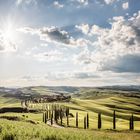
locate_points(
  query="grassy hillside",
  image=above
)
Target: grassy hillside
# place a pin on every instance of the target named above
(18, 130)
(124, 107)
(8, 101)
(84, 100)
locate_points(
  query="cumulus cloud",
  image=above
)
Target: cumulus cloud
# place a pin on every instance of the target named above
(115, 45)
(122, 38)
(83, 57)
(58, 5)
(125, 5)
(48, 34)
(126, 63)
(80, 42)
(55, 35)
(84, 28)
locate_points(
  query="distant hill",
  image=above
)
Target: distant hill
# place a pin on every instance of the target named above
(102, 92)
(123, 88)
(81, 92)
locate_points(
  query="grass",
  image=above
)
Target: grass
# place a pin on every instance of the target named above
(9, 102)
(124, 106)
(24, 130)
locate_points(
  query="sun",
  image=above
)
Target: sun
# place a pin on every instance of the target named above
(9, 32)
(8, 36)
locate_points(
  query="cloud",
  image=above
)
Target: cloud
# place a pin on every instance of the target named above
(83, 57)
(29, 78)
(84, 28)
(125, 5)
(27, 2)
(127, 63)
(49, 56)
(57, 4)
(18, 2)
(114, 45)
(29, 30)
(84, 75)
(71, 75)
(75, 78)
(80, 42)
(44, 45)
(48, 34)
(55, 35)
(83, 2)
(109, 1)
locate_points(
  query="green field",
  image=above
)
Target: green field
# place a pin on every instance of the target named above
(124, 108)
(9, 102)
(27, 131)
(30, 125)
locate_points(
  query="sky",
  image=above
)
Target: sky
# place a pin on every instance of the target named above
(69, 42)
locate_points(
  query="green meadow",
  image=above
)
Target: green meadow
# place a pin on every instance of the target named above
(29, 126)
(25, 131)
(124, 107)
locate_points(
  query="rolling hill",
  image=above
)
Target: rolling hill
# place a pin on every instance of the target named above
(125, 101)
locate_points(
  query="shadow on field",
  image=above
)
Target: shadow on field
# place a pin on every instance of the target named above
(15, 118)
(17, 110)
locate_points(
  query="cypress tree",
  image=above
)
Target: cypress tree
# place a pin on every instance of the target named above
(132, 122)
(85, 124)
(67, 120)
(52, 114)
(45, 117)
(114, 119)
(67, 111)
(99, 121)
(61, 118)
(47, 114)
(87, 121)
(55, 115)
(51, 119)
(77, 119)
